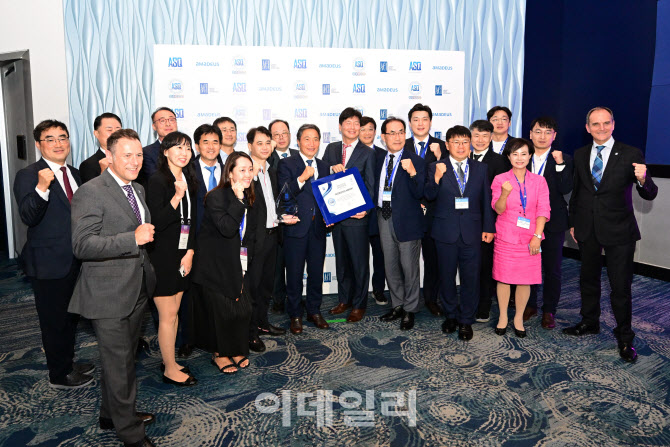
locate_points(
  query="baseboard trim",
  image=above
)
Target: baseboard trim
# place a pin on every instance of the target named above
(650, 271)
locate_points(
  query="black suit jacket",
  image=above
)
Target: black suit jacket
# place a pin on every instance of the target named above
(274, 157)
(494, 164)
(608, 212)
(429, 158)
(508, 164)
(47, 253)
(202, 191)
(149, 163)
(560, 184)
(261, 208)
(90, 168)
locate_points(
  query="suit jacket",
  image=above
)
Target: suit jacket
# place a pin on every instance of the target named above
(450, 223)
(429, 158)
(506, 162)
(274, 157)
(90, 168)
(202, 191)
(261, 208)
(362, 158)
(406, 195)
(103, 237)
(47, 253)
(608, 211)
(217, 263)
(149, 162)
(494, 162)
(374, 225)
(559, 184)
(289, 170)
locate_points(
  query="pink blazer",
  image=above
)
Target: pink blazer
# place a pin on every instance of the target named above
(538, 205)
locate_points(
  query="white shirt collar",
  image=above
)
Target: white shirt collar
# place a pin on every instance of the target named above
(118, 180)
(608, 144)
(304, 158)
(425, 140)
(54, 166)
(203, 165)
(353, 143)
(454, 162)
(481, 155)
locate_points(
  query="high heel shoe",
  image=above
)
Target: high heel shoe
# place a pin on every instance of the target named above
(520, 334)
(190, 381)
(500, 331)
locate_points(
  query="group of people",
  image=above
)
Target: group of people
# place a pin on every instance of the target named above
(199, 236)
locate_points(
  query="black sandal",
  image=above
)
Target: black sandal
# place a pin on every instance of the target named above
(238, 363)
(225, 368)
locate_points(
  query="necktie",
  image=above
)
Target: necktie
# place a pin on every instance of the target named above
(477, 157)
(133, 202)
(386, 205)
(422, 151)
(344, 154)
(597, 171)
(309, 162)
(212, 179)
(66, 182)
(461, 174)
(284, 155)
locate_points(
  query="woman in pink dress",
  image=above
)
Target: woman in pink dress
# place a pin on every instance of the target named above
(521, 200)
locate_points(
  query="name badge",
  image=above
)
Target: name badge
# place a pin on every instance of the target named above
(243, 258)
(386, 196)
(462, 203)
(183, 237)
(523, 222)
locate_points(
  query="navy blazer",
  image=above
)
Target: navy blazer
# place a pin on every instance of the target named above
(408, 219)
(202, 191)
(90, 168)
(288, 172)
(429, 158)
(47, 253)
(274, 157)
(560, 184)
(362, 158)
(374, 226)
(450, 223)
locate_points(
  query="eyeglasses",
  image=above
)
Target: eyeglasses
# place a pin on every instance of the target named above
(164, 121)
(499, 120)
(52, 141)
(459, 143)
(548, 132)
(395, 134)
(282, 134)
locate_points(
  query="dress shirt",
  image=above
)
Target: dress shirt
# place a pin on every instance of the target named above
(350, 150)
(281, 154)
(498, 145)
(417, 147)
(224, 157)
(454, 165)
(316, 169)
(137, 199)
(536, 164)
(268, 195)
(481, 155)
(59, 176)
(205, 172)
(605, 153)
(382, 176)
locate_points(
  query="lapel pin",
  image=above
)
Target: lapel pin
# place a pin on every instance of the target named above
(616, 153)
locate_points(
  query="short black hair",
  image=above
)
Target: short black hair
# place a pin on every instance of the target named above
(457, 131)
(350, 112)
(167, 109)
(46, 125)
(204, 129)
(418, 107)
(254, 130)
(273, 122)
(305, 127)
(98, 119)
(128, 134)
(224, 119)
(367, 120)
(495, 109)
(514, 144)
(481, 126)
(390, 119)
(545, 122)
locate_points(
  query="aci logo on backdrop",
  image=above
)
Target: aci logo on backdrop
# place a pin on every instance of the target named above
(383, 114)
(265, 64)
(325, 89)
(179, 113)
(385, 67)
(438, 90)
(204, 88)
(267, 114)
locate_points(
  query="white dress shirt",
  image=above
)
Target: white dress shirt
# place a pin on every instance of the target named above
(382, 177)
(466, 172)
(605, 153)
(137, 198)
(206, 174)
(268, 195)
(316, 169)
(55, 167)
(417, 147)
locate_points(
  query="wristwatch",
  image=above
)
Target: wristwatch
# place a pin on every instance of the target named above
(539, 236)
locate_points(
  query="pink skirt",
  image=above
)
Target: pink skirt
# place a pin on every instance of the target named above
(513, 264)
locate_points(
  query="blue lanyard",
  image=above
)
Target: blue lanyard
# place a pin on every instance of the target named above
(395, 166)
(242, 225)
(465, 177)
(541, 167)
(423, 151)
(502, 148)
(523, 196)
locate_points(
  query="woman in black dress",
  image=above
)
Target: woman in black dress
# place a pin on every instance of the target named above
(225, 246)
(171, 197)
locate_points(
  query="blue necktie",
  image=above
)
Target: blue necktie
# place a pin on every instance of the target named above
(422, 152)
(309, 162)
(284, 155)
(212, 179)
(597, 171)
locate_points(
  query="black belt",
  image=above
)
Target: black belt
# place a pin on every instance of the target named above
(271, 230)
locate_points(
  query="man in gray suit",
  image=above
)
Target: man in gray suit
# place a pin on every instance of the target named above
(110, 227)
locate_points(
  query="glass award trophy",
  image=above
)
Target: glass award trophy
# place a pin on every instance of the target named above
(287, 205)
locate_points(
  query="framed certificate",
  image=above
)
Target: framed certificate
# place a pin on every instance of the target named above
(341, 195)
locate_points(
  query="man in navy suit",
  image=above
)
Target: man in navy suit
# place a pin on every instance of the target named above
(350, 236)
(431, 149)
(557, 169)
(463, 219)
(43, 192)
(103, 126)
(208, 164)
(163, 121)
(399, 183)
(228, 129)
(304, 242)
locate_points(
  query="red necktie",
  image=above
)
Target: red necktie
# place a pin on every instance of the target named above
(66, 182)
(344, 154)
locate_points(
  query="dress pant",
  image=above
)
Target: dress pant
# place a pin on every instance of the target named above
(279, 290)
(261, 277)
(431, 279)
(117, 342)
(378, 281)
(464, 258)
(552, 257)
(58, 326)
(401, 263)
(352, 264)
(310, 249)
(486, 283)
(619, 263)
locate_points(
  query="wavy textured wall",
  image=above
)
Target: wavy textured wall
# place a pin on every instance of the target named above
(109, 45)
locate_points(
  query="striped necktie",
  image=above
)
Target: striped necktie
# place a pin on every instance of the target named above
(597, 171)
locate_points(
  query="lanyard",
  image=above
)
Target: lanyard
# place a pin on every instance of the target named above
(181, 208)
(422, 154)
(541, 167)
(389, 184)
(242, 226)
(522, 196)
(502, 148)
(461, 186)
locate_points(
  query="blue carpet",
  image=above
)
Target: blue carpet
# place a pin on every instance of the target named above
(546, 389)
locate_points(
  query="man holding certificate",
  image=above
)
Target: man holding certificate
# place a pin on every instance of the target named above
(350, 236)
(399, 183)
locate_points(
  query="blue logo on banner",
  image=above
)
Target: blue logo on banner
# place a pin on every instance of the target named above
(383, 114)
(204, 88)
(326, 137)
(239, 62)
(300, 87)
(415, 88)
(415, 66)
(300, 64)
(383, 66)
(175, 86)
(174, 62)
(437, 135)
(265, 64)
(438, 90)
(325, 89)
(359, 64)
(326, 277)
(301, 113)
(179, 113)
(359, 88)
(267, 114)
(239, 87)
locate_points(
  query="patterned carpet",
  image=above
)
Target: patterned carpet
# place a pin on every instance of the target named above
(546, 389)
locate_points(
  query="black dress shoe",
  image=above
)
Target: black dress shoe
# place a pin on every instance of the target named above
(581, 329)
(72, 381)
(407, 322)
(271, 330)
(190, 381)
(185, 350)
(145, 442)
(184, 369)
(277, 307)
(256, 345)
(449, 325)
(627, 352)
(393, 314)
(465, 332)
(147, 418)
(380, 298)
(434, 309)
(83, 368)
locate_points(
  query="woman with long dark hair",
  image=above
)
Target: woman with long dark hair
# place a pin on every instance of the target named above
(171, 197)
(226, 242)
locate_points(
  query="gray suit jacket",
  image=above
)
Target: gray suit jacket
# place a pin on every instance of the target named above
(103, 238)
